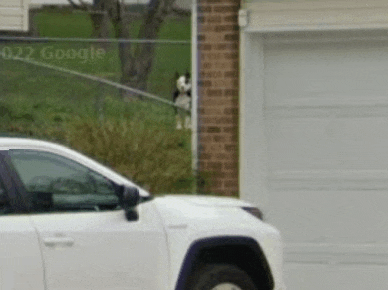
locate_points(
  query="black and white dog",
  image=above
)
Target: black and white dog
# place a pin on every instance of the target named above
(182, 98)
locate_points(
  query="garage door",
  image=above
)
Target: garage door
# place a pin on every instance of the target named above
(326, 128)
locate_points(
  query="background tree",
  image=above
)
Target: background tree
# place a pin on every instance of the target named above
(137, 61)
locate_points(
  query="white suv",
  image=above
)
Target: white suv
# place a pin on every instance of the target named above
(69, 223)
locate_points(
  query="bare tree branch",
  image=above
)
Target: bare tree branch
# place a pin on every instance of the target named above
(136, 64)
(180, 12)
(83, 3)
(82, 6)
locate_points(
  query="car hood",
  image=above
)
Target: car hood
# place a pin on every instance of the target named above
(211, 201)
(185, 211)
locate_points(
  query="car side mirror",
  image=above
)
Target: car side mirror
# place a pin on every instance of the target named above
(130, 197)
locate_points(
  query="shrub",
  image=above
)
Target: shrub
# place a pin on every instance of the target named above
(152, 155)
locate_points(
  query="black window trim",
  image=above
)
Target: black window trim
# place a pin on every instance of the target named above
(14, 188)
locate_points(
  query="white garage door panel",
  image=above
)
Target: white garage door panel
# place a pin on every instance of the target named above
(330, 217)
(326, 74)
(335, 144)
(334, 277)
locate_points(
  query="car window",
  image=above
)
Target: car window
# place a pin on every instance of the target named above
(55, 183)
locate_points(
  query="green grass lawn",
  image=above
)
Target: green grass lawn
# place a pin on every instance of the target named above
(37, 83)
(44, 103)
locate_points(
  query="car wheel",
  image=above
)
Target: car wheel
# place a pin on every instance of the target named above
(221, 277)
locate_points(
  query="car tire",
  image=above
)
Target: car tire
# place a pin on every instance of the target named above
(221, 277)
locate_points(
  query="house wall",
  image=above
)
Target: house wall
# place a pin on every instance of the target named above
(14, 15)
(218, 90)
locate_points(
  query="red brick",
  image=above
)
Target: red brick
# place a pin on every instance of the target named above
(230, 92)
(210, 74)
(202, 83)
(231, 184)
(220, 65)
(211, 1)
(215, 56)
(214, 93)
(215, 147)
(224, 120)
(231, 55)
(219, 120)
(229, 193)
(221, 83)
(231, 174)
(233, 111)
(212, 102)
(204, 8)
(205, 121)
(210, 56)
(232, 36)
(226, 28)
(213, 19)
(230, 165)
(214, 183)
(226, 8)
(220, 138)
(210, 111)
(223, 2)
(211, 36)
(225, 64)
(231, 18)
(207, 28)
(232, 138)
(204, 156)
(226, 46)
(203, 46)
(235, 65)
(214, 166)
(232, 129)
(205, 139)
(231, 147)
(213, 129)
(221, 156)
(201, 37)
(206, 65)
(231, 74)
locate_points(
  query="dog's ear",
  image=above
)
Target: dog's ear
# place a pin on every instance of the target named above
(187, 75)
(176, 75)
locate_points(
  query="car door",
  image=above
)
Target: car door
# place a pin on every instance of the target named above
(21, 266)
(87, 242)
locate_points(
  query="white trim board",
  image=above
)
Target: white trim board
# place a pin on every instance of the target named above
(316, 15)
(14, 15)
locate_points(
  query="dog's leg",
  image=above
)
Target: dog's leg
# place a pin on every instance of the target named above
(187, 122)
(178, 122)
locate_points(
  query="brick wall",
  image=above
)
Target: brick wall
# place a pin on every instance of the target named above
(218, 64)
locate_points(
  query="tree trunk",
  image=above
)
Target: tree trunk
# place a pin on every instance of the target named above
(136, 64)
(135, 74)
(100, 24)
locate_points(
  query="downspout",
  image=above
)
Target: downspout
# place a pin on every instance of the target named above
(194, 92)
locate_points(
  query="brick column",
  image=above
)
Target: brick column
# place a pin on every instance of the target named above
(218, 88)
